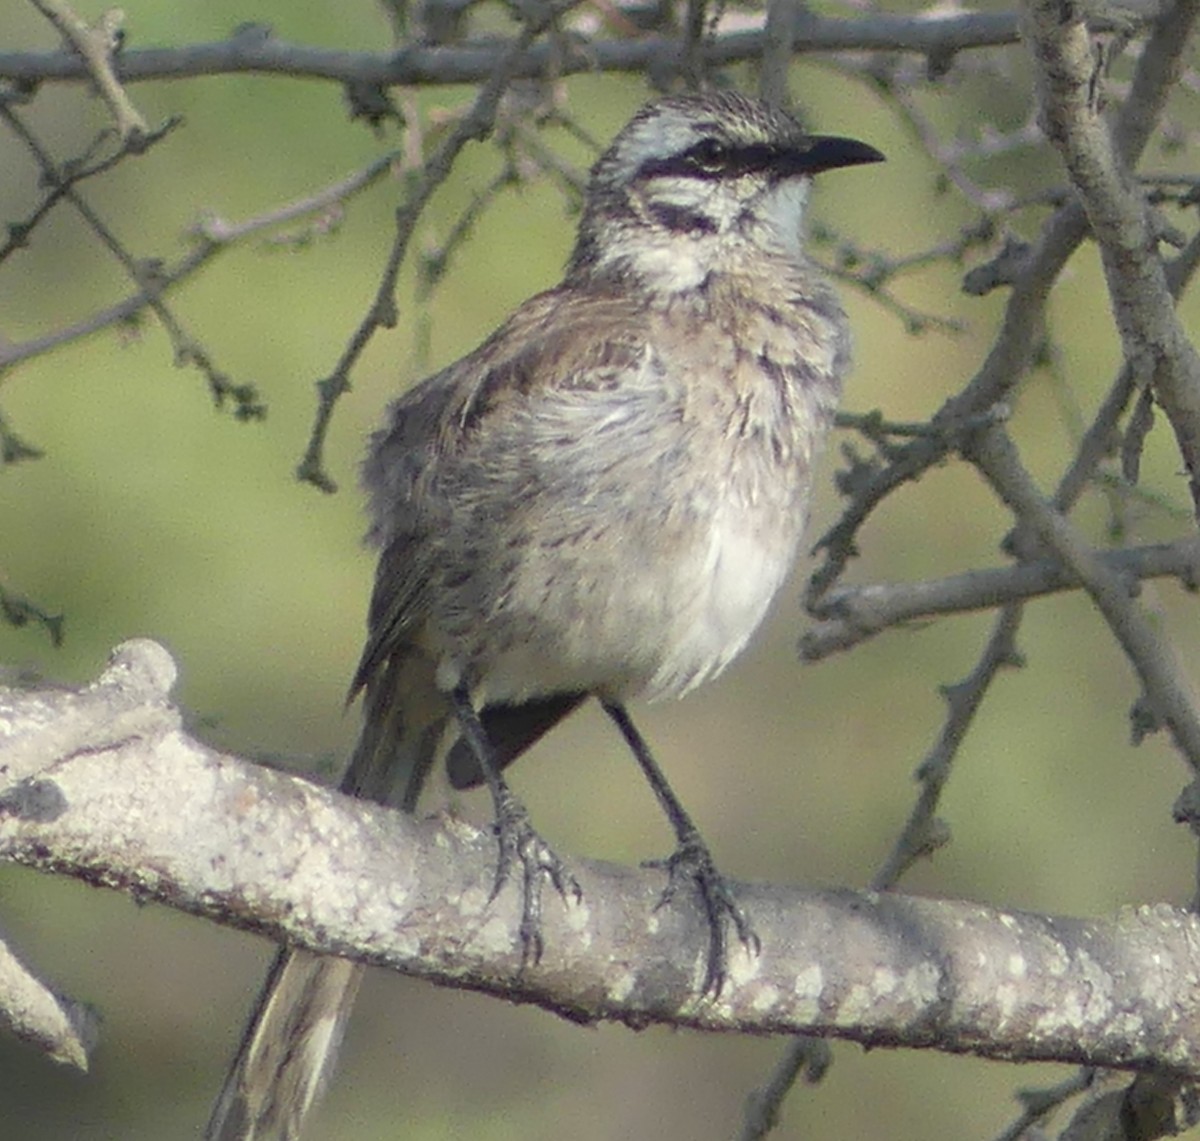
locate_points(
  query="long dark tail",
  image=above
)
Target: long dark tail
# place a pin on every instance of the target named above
(289, 1046)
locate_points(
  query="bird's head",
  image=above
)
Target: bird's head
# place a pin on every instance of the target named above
(693, 180)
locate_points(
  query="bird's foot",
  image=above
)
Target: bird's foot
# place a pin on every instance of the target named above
(520, 844)
(692, 861)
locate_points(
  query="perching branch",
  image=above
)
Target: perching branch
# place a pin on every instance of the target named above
(103, 784)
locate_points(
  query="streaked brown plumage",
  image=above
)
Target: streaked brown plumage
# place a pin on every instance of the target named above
(601, 500)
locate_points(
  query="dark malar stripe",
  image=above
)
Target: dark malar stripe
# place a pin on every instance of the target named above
(681, 220)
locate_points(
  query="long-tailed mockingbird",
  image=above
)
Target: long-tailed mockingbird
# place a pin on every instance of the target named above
(601, 500)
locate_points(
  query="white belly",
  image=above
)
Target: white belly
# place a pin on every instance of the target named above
(726, 595)
(650, 620)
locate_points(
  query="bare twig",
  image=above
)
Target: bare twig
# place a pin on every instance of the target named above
(436, 261)
(1156, 346)
(215, 229)
(852, 614)
(1040, 1103)
(1006, 363)
(923, 833)
(18, 611)
(63, 1029)
(70, 174)
(97, 47)
(13, 448)
(899, 89)
(145, 273)
(870, 277)
(472, 126)
(1032, 279)
(215, 235)
(994, 454)
(805, 1057)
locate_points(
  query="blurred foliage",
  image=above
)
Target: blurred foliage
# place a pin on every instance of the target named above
(151, 513)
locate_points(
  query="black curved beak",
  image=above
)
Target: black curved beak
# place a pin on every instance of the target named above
(828, 152)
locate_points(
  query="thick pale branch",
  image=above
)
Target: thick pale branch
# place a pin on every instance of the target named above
(103, 784)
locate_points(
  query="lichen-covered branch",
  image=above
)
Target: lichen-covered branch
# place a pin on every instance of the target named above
(105, 785)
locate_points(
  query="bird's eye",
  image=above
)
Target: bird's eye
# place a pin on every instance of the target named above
(708, 154)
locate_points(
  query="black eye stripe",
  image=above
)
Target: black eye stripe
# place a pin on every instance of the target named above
(710, 160)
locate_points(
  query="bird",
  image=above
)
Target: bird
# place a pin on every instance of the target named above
(600, 501)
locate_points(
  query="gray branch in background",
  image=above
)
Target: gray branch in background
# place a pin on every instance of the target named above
(852, 614)
(1071, 112)
(255, 49)
(1168, 692)
(104, 784)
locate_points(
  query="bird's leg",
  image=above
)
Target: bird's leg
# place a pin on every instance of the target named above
(515, 834)
(691, 860)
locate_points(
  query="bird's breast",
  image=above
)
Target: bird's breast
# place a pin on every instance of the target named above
(629, 538)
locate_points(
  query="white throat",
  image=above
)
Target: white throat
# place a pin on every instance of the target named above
(737, 227)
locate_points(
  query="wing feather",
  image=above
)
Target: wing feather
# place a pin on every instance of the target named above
(556, 344)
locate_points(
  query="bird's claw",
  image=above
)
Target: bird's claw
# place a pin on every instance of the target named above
(520, 843)
(693, 862)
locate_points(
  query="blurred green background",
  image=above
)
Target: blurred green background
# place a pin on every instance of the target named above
(151, 514)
